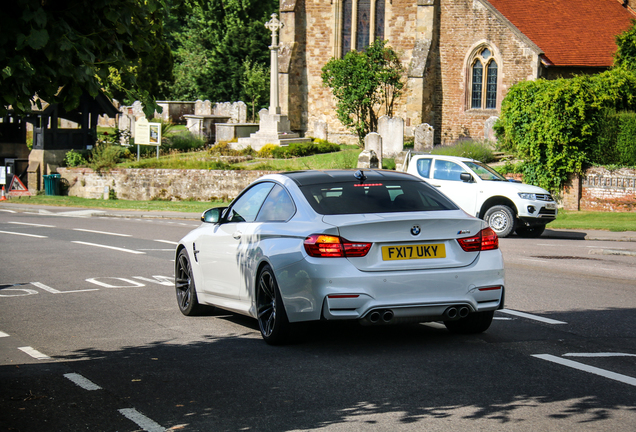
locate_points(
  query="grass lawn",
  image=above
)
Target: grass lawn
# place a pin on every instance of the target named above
(609, 221)
(69, 201)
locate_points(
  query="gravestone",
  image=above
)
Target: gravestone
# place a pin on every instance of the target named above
(368, 159)
(374, 142)
(489, 132)
(424, 135)
(392, 131)
(321, 130)
(198, 107)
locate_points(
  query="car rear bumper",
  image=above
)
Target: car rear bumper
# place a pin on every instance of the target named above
(334, 289)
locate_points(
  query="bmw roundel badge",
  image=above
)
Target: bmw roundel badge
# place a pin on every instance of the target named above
(416, 230)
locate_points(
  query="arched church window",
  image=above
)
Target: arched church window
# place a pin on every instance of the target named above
(484, 85)
(361, 22)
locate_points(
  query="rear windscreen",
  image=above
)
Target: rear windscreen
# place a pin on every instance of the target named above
(380, 197)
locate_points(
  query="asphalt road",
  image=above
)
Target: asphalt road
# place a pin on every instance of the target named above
(91, 339)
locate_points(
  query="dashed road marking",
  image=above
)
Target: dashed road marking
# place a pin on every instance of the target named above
(141, 420)
(34, 353)
(167, 242)
(608, 354)
(3, 334)
(102, 232)
(110, 247)
(84, 383)
(586, 368)
(532, 317)
(23, 234)
(32, 224)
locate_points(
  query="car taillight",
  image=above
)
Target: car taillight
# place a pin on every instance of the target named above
(328, 246)
(486, 240)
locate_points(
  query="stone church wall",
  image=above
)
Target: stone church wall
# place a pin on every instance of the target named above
(434, 39)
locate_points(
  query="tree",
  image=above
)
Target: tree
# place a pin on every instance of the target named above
(79, 46)
(363, 83)
(625, 55)
(255, 84)
(211, 44)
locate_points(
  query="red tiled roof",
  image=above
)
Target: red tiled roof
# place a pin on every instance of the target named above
(570, 32)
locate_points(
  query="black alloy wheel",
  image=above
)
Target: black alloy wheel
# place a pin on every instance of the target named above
(272, 319)
(184, 286)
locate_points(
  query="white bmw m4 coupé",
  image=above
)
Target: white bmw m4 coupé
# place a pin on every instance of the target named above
(380, 247)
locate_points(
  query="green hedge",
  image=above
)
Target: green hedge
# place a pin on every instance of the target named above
(555, 125)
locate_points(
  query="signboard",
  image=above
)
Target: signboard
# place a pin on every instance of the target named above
(3, 175)
(147, 133)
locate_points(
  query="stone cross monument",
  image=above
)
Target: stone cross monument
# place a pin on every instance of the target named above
(273, 127)
(274, 25)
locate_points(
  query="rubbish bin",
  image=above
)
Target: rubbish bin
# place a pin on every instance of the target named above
(52, 184)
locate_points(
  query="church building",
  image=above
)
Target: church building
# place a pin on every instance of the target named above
(460, 56)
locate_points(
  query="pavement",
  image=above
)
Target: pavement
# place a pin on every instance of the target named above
(563, 234)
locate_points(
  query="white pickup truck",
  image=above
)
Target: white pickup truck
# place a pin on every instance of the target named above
(508, 206)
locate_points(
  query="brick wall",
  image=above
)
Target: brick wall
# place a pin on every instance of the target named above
(605, 190)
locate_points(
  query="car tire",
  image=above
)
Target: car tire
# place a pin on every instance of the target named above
(184, 286)
(476, 322)
(271, 315)
(501, 219)
(530, 232)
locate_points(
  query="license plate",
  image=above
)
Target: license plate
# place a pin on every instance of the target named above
(420, 251)
(550, 206)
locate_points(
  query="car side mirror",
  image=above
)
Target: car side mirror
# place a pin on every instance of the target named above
(213, 215)
(466, 177)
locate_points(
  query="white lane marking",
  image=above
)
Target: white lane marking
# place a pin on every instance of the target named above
(532, 317)
(3, 334)
(141, 420)
(167, 242)
(434, 325)
(25, 292)
(23, 234)
(34, 353)
(54, 291)
(590, 369)
(599, 355)
(161, 280)
(32, 224)
(503, 319)
(102, 232)
(157, 250)
(133, 284)
(84, 383)
(8, 211)
(110, 247)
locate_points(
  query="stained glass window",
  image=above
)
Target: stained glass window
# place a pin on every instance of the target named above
(491, 86)
(478, 74)
(364, 22)
(379, 20)
(346, 26)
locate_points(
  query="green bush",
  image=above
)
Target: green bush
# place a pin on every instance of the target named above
(267, 151)
(468, 149)
(183, 142)
(554, 125)
(74, 158)
(300, 150)
(626, 139)
(106, 155)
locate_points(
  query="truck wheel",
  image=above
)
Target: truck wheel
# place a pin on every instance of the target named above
(501, 219)
(530, 232)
